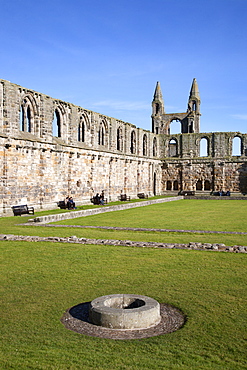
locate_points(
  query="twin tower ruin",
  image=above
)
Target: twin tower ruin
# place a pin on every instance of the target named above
(50, 149)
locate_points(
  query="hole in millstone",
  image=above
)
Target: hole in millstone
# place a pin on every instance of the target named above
(124, 302)
(135, 304)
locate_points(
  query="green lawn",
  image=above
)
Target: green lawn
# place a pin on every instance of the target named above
(218, 215)
(40, 280)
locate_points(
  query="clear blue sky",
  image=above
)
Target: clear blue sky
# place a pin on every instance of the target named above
(108, 55)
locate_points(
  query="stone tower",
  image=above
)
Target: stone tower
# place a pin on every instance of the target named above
(158, 109)
(190, 120)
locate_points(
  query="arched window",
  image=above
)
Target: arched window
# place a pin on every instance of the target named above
(22, 119)
(119, 139)
(101, 134)
(144, 145)
(207, 185)
(199, 185)
(154, 147)
(173, 148)
(175, 127)
(191, 126)
(81, 130)
(236, 146)
(29, 119)
(26, 116)
(133, 142)
(56, 124)
(204, 147)
(157, 108)
(175, 185)
(168, 185)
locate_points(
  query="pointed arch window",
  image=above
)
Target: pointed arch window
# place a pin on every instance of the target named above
(26, 116)
(119, 139)
(175, 127)
(207, 185)
(236, 146)
(101, 134)
(199, 185)
(81, 130)
(157, 108)
(173, 148)
(175, 185)
(144, 145)
(133, 142)
(204, 147)
(22, 119)
(56, 124)
(154, 147)
(168, 185)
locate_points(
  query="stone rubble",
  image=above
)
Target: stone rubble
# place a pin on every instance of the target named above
(74, 239)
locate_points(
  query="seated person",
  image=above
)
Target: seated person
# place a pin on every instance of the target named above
(97, 199)
(101, 198)
(70, 203)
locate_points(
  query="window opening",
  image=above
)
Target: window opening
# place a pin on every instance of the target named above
(168, 185)
(236, 146)
(56, 124)
(144, 146)
(175, 127)
(199, 185)
(101, 135)
(133, 142)
(204, 147)
(173, 148)
(155, 147)
(207, 185)
(22, 115)
(119, 139)
(28, 119)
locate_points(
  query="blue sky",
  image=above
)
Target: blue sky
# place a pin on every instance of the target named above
(108, 55)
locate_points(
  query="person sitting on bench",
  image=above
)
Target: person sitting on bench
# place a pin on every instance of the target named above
(102, 198)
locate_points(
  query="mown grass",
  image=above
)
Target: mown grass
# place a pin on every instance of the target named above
(214, 215)
(39, 281)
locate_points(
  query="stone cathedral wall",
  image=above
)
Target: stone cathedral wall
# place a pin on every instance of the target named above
(185, 168)
(40, 169)
(50, 149)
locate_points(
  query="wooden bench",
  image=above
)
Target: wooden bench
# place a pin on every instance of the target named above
(61, 204)
(142, 195)
(96, 201)
(123, 197)
(186, 192)
(22, 210)
(222, 193)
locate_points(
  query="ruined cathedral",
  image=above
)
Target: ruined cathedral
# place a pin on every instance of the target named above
(50, 149)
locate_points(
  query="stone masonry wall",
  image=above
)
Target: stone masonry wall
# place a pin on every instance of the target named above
(40, 167)
(50, 149)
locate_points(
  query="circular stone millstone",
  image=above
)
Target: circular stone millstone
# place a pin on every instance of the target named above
(125, 311)
(77, 318)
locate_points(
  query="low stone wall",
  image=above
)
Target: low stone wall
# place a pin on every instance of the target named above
(75, 240)
(99, 209)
